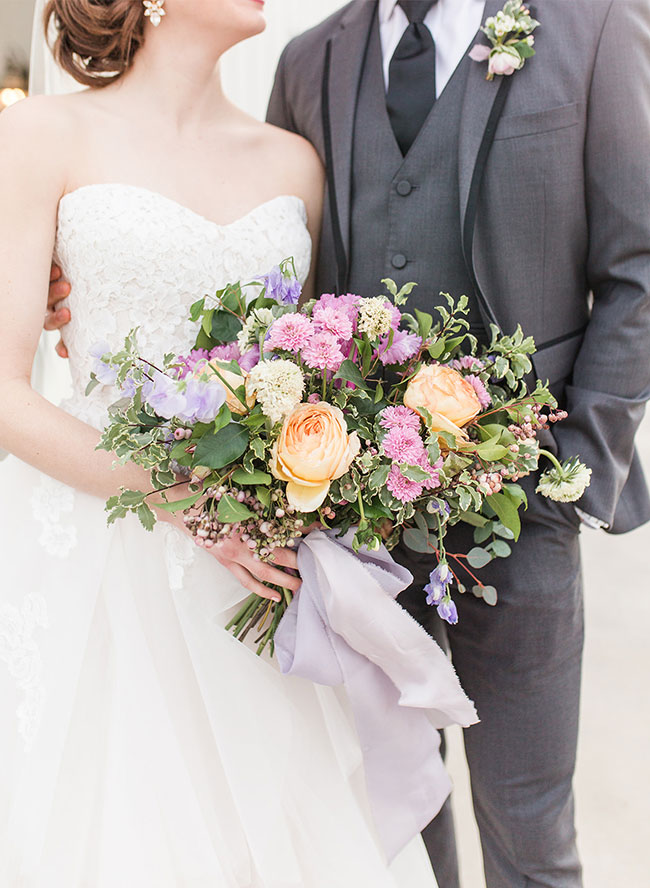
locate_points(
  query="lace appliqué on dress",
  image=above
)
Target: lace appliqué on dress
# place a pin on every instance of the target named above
(20, 652)
(52, 500)
(180, 552)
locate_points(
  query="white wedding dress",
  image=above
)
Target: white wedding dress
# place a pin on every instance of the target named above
(141, 745)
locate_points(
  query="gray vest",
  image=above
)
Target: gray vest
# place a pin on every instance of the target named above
(390, 191)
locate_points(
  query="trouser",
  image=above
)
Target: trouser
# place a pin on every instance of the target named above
(520, 662)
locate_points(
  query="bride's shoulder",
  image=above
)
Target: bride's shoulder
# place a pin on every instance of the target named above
(51, 120)
(290, 151)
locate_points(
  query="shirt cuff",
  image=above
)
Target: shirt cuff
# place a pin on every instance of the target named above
(590, 521)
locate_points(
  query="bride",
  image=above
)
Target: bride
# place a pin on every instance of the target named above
(141, 745)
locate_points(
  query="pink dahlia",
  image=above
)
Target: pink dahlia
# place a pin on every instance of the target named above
(403, 445)
(402, 488)
(399, 418)
(332, 320)
(322, 352)
(481, 391)
(229, 352)
(433, 480)
(290, 333)
(467, 362)
(403, 347)
(348, 303)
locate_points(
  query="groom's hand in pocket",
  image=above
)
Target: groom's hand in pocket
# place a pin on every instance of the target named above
(57, 316)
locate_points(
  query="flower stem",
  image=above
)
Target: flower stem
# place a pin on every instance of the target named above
(555, 461)
(324, 386)
(361, 509)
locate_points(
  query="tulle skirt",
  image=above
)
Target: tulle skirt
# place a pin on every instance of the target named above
(141, 745)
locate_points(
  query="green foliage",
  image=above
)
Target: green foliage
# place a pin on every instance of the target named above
(215, 451)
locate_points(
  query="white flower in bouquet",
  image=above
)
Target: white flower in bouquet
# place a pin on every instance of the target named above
(258, 322)
(565, 483)
(278, 386)
(375, 317)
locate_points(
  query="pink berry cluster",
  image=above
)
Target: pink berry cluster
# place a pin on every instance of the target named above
(279, 529)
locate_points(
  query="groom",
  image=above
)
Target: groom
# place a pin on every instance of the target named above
(531, 194)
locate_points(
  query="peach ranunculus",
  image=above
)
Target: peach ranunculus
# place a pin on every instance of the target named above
(213, 368)
(313, 449)
(449, 399)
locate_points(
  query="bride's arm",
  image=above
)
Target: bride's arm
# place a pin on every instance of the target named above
(32, 180)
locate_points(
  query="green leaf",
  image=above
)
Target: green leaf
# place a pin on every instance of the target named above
(421, 523)
(222, 448)
(507, 512)
(414, 473)
(349, 372)
(436, 349)
(222, 419)
(379, 477)
(132, 497)
(197, 310)
(478, 557)
(94, 382)
(500, 548)
(474, 519)
(379, 393)
(425, 322)
(146, 516)
(247, 478)
(232, 512)
(491, 452)
(225, 326)
(264, 496)
(416, 540)
(489, 595)
(181, 505)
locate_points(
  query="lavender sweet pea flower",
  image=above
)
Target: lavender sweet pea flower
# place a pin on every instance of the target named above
(439, 581)
(165, 396)
(102, 370)
(203, 400)
(128, 387)
(284, 290)
(448, 612)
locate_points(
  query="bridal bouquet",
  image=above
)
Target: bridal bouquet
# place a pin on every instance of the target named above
(349, 412)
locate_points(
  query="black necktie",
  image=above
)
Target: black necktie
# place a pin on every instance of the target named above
(412, 75)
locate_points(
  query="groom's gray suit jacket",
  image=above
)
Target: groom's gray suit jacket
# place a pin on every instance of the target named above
(554, 205)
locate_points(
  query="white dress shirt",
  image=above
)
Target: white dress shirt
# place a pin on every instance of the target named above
(453, 24)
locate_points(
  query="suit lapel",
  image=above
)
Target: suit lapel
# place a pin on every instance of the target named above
(346, 57)
(482, 107)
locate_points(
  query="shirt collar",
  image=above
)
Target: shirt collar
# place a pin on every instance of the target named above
(386, 10)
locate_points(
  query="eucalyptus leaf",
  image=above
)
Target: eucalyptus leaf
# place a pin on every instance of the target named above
(489, 595)
(416, 540)
(478, 557)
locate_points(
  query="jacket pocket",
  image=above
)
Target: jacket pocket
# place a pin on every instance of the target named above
(538, 122)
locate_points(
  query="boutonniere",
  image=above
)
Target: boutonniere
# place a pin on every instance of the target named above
(510, 32)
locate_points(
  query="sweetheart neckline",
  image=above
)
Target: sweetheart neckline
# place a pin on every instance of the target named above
(170, 200)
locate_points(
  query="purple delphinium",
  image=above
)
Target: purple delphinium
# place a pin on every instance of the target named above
(285, 290)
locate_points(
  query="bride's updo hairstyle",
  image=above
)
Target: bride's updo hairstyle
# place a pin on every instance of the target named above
(96, 40)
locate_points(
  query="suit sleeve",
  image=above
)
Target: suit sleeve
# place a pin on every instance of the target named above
(611, 379)
(279, 112)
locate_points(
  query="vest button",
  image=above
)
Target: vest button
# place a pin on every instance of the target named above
(404, 188)
(398, 260)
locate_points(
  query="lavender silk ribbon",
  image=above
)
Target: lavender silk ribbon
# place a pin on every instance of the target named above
(344, 627)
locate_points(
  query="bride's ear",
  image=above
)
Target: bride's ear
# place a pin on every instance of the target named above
(96, 41)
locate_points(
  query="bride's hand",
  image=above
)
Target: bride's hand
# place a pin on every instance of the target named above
(235, 555)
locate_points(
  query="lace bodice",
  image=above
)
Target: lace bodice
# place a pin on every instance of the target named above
(135, 258)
